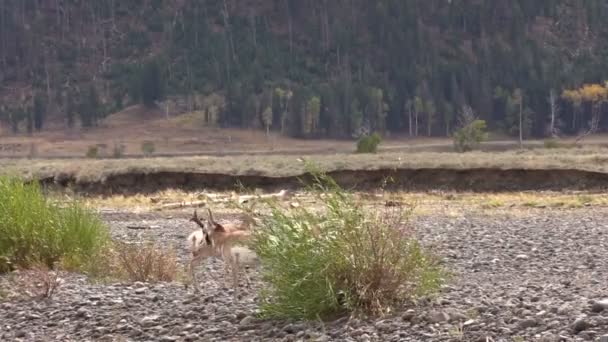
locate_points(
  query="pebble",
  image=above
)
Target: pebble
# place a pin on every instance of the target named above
(149, 320)
(527, 323)
(579, 325)
(438, 317)
(538, 298)
(600, 305)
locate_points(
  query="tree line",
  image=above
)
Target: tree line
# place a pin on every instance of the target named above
(309, 68)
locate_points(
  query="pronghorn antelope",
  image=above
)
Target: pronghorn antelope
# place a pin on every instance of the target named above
(215, 239)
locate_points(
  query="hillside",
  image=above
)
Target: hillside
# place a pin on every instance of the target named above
(309, 69)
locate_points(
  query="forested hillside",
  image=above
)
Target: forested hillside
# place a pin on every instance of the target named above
(307, 68)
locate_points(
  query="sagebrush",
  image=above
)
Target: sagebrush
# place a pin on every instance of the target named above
(35, 230)
(340, 258)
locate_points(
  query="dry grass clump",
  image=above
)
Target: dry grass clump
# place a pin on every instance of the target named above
(147, 262)
(36, 282)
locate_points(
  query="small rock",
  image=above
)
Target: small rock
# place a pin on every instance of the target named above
(141, 290)
(149, 320)
(247, 320)
(438, 317)
(169, 338)
(579, 325)
(469, 322)
(522, 257)
(549, 338)
(32, 316)
(289, 329)
(20, 334)
(83, 313)
(563, 309)
(408, 315)
(192, 337)
(527, 323)
(457, 316)
(599, 305)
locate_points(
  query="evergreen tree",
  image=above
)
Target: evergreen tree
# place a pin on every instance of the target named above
(151, 84)
(90, 108)
(70, 110)
(39, 111)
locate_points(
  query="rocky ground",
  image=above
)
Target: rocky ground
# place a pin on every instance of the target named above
(538, 275)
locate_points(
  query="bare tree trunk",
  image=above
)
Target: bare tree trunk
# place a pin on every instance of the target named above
(3, 33)
(521, 135)
(196, 29)
(229, 31)
(416, 122)
(595, 121)
(57, 13)
(411, 127)
(290, 26)
(252, 18)
(48, 79)
(552, 104)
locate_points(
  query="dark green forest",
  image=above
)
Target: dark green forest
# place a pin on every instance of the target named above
(307, 68)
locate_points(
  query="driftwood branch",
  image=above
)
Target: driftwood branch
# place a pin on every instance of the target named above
(218, 198)
(139, 227)
(177, 205)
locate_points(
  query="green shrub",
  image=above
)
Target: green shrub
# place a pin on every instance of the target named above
(34, 230)
(92, 152)
(147, 147)
(368, 143)
(341, 259)
(470, 136)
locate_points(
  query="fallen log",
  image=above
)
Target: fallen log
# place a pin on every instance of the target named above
(182, 205)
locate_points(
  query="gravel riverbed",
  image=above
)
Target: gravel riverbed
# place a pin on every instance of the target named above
(537, 275)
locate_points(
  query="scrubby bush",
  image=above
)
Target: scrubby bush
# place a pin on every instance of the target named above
(368, 143)
(35, 230)
(341, 258)
(118, 151)
(146, 263)
(147, 147)
(92, 151)
(470, 136)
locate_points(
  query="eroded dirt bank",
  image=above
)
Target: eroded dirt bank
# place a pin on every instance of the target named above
(479, 179)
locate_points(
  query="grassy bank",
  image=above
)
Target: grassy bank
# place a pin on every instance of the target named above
(87, 170)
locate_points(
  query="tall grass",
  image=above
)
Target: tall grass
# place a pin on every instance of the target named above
(35, 230)
(341, 258)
